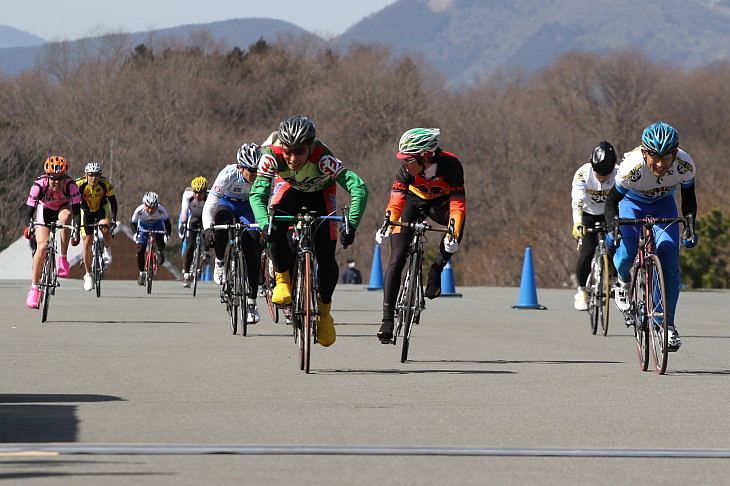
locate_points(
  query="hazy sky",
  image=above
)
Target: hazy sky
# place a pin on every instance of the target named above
(73, 19)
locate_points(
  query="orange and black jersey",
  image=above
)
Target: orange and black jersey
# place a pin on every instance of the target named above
(445, 180)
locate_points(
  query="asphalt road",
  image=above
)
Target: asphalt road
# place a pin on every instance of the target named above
(155, 390)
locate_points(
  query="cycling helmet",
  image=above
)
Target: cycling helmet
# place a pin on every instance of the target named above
(417, 141)
(603, 158)
(55, 165)
(248, 155)
(297, 130)
(660, 137)
(199, 184)
(92, 168)
(151, 199)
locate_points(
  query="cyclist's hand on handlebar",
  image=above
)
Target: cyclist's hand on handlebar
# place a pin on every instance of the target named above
(579, 230)
(381, 238)
(75, 236)
(28, 232)
(691, 242)
(347, 237)
(451, 245)
(181, 231)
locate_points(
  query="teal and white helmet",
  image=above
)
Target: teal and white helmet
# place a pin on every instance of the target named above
(417, 141)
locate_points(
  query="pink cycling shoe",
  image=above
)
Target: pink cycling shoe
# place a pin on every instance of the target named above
(32, 300)
(63, 267)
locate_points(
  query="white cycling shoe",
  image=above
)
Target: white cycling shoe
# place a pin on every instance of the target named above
(621, 295)
(88, 282)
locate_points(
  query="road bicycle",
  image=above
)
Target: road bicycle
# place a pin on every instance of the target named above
(647, 293)
(268, 282)
(411, 302)
(97, 254)
(200, 257)
(235, 284)
(49, 276)
(305, 291)
(151, 255)
(598, 284)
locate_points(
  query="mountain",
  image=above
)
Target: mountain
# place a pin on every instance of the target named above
(466, 38)
(236, 32)
(12, 37)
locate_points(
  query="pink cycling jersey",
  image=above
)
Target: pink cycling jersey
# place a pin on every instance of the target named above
(41, 194)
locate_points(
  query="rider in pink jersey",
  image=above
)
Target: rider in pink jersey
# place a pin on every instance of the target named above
(54, 196)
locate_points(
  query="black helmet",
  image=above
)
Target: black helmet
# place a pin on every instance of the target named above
(603, 158)
(297, 130)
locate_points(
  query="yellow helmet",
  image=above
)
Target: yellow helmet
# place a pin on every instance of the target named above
(199, 184)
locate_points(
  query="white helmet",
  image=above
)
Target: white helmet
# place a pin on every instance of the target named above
(151, 199)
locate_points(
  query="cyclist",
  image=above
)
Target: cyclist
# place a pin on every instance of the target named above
(309, 172)
(191, 217)
(98, 205)
(150, 215)
(591, 184)
(430, 180)
(54, 196)
(226, 203)
(645, 184)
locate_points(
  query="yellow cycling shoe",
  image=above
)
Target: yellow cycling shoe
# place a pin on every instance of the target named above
(282, 291)
(326, 334)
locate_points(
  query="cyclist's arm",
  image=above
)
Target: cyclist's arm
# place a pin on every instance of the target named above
(611, 209)
(114, 206)
(457, 197)
(358, 191)
(27, 214)
(689, 200)
(168, 226)
(258, 197)
(578, 195)
(398, 192)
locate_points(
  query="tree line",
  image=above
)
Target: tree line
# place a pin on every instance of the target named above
(160, 113)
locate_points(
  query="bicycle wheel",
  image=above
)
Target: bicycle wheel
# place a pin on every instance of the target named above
(641, 329)
(150, 263)
(402, 310)
(605, 295)
(97, 265)
(268, 283)
(242, 292)
(411, 303)
(195, 269)
(297, 309)
(309, 311)
(656, 299)
(593, 287)
(47, 282)
(229, 288)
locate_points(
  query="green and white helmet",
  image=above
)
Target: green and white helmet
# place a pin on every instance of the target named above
(417, 141)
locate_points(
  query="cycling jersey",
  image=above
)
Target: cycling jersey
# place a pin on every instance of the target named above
(96, 196)
(588, 194)
(41, 197)
(635, 181)
(443, 178)
(191, 207)
(230, 190)
(321, 171)
(159, 221)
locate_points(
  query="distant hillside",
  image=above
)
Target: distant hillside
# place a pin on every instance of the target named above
(237, 32)
(12, 37)
(464, 38)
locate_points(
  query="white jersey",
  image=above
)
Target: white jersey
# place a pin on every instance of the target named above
(190, 207)
(228, 186)
(635, 180)
(588, 194)
(140, 214)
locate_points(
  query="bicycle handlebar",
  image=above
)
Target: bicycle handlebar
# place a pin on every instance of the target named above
(422, 226)
(54, 225)
(688, 221)
(237, 225)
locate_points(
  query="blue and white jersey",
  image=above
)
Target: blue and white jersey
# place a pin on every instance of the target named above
(190, 207)
(635, 180)
(229, 190)
(141, 216)
(588, 194)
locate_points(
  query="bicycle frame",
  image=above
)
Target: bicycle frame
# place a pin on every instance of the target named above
(150, 258)
(411, 302)
(97, 249)
(648, 311)
(49, 275)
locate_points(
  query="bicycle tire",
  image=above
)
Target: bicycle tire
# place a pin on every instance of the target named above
(297, 310)
(641, 330)
(593, 287)
(411, 292)
(47, 281)
(267, 280)
(309, 314)
(242, 292)
(402, 312)
(195, 269)
(230, 291)
(605, 286)
(151, 261)
(97, 266)
(657, 314)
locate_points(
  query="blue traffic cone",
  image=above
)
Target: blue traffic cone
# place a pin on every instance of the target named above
(376, 271)
(528, 292)
(447, 282)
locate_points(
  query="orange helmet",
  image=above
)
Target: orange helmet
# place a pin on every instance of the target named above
(55, 165)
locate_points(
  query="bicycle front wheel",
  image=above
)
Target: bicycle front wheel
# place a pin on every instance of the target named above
(195, 269)
(229, 288)
(657, 314)
(310, 315)
(604, 294)
(97, 265)
(639, 304)
(242, 292)
(150, 263)
(593, 287)
(47, 282)
(268, 282)
(297, 309)
(413, 281)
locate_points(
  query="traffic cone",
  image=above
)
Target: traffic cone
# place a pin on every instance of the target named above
(528, 292)
(447, 282)
(376, 271)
